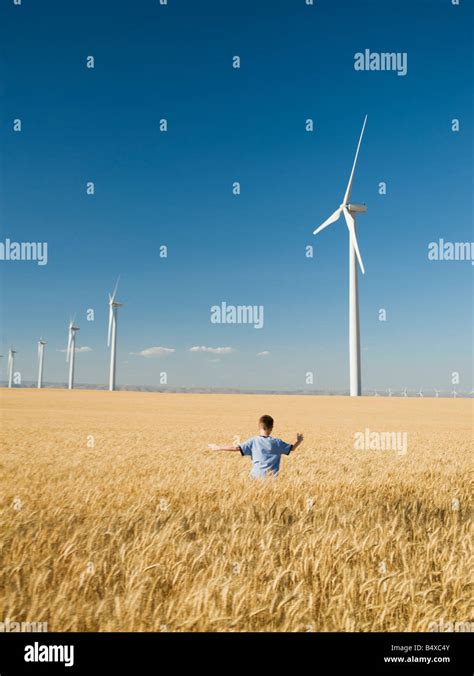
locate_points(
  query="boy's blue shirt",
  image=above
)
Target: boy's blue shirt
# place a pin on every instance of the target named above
(266, 454)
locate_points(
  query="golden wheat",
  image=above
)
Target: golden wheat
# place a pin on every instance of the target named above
(115, 517)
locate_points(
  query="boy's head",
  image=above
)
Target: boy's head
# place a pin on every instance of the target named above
(266, 423)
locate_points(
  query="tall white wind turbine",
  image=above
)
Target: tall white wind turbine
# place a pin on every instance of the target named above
(112, 335)
(71, 351)
(41, 344)
(11, 362)
(350, 211)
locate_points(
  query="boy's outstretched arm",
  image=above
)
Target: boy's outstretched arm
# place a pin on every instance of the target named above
(299, 440)
(215, 447)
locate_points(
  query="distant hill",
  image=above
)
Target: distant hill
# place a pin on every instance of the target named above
(229, 390)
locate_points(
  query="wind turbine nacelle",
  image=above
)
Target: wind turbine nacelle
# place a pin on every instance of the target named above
(357, 208)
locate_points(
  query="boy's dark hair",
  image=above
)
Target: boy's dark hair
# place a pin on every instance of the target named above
(266, 421)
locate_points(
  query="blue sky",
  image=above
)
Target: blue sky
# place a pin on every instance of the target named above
(175, 188)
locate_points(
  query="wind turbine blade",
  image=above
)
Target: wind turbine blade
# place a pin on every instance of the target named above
(333, 217)
(351, 177)
(69, 343)
(115, 289)
(351, 226)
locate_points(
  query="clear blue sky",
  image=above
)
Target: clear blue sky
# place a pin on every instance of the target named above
(175, 188)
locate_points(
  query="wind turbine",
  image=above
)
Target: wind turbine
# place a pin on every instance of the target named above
(404, 393)
(349, 211)
(71, 352)
(11, 360)
(420, 393)
(390, 392)
(454, 393)
(112, 335)
(436, 392)
(41, 344)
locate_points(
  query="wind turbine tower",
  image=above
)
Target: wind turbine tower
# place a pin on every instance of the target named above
(41, 344)
(71, 352)
(11, 363)
(112, 335)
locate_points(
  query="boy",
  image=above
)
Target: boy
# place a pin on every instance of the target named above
(265, 450)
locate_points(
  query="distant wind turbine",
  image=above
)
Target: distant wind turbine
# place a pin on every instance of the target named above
(404, 393)
(71, 351)
(41, 344)
(420, 393)
(349, 211)
(11, 361)
(454, 393)
(112, 335)
(390, 392)
(436, 392)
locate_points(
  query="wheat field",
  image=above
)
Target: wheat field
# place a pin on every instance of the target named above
(115, 517)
